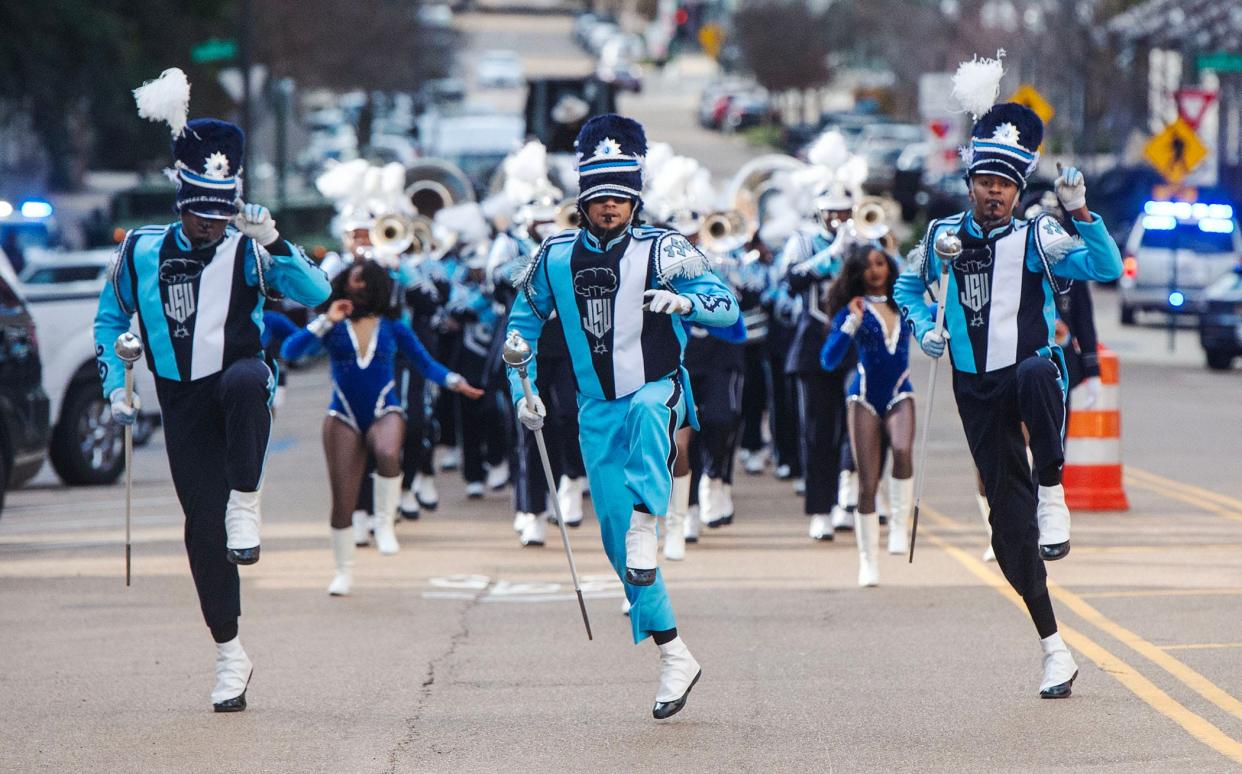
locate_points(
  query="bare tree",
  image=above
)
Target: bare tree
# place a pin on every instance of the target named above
(784, 43)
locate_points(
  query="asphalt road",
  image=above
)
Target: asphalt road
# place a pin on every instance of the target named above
(465, 652)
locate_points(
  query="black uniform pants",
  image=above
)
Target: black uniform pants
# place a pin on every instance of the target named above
(718, 401)
(555, 385)
(216, 431)
(821, 413)
(417, 453)
(783, 417)
(993, 408)
(756, 386)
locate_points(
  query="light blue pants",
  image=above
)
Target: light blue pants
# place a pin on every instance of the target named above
(628, 448)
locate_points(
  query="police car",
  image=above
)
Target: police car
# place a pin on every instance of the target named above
(1174, 252)
(1220, 326)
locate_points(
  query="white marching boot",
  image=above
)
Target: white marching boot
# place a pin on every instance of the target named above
(713, 502)
(241, 524)
(535, 531)
(625, 607)
(362, 529)
(233, 671)
(867, 535)
(425, 491)
(900, 500)
(847, 501)
(451, 459)
(498, 476)
(756, 461)
(678, 674)
(641, 549)
(676, 524)
(343, 554)
(693, 524)
(520, 520)
(475, 489)
(1054, 523)
(985, 511)
(821, 527)
(387, 498)
(569, 496)
(1059, 669)
(726, 502)
(410, 506)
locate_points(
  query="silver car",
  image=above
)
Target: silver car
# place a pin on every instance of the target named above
(1174, 252)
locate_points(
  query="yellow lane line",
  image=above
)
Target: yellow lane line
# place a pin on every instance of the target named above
(1183, 495)
(1156, 478)
(1202, 645)
(1197, 726)
(1162, 548)
(1159, 593)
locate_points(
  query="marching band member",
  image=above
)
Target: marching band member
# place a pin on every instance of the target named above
(366, 415)
(612, 283)
(809, 265)
(881, 398)
(1008, 371)
(198, 287)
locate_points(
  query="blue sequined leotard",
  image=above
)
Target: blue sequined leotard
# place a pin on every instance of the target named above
(883, 378)
(364, 383)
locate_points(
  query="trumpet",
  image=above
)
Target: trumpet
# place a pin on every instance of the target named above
(392, 235)
(567, 215)
(870, 218)
(723, 232)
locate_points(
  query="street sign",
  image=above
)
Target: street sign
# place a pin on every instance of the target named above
(1029, 96)
(214, 50)
(1175, 151)
(1193, 103)
(1220, 61)
(711, 38)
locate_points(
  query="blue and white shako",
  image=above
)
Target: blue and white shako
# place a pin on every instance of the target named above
(611, 150)
(207, 165)
(1005, 141)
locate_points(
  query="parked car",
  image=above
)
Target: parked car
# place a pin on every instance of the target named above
(881, 144)
(1220, 325)
(622, 75)
(499, 70)
(23, 403)
(62, 291)
(1174, 252)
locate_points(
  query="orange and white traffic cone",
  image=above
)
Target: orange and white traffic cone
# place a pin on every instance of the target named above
(1092, 472)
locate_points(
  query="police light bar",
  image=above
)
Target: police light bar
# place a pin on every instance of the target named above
(36, 209)
(6, 209)
(1176, 299)
(1216, 225)
(1189, 210)
(1159, 222)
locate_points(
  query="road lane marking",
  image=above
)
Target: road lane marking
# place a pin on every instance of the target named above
(1159, 593)
(1194, 724)
(1156, 478)
(1200, 498)
(1202, 645)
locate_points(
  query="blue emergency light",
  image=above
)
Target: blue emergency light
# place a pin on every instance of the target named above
(36, 209)
(1176, 299)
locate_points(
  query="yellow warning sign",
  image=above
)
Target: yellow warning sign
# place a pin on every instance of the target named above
(1176, 151)
(711, 38)
(1029, 96)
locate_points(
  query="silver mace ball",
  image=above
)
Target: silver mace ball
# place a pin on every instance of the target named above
(517, 351)
(128, 347)
(948, 246)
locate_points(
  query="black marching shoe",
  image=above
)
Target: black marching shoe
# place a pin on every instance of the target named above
(233, 672)
(667, 709)
(1054, 552)
(235, 704)
(1061, 691)
(679, 672)
(243, 556)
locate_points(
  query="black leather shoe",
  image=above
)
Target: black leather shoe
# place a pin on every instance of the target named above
(410, 515)
(640, 577)
(237, 703)
(1054, 552)
(667, 709)
(1061, 691)
(243, 556)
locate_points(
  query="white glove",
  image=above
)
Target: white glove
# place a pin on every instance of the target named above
(531, 415)
(1091, 391)
(256, 222)
(933, 343)
(122, 412)
(1072, 189)
(664, 302)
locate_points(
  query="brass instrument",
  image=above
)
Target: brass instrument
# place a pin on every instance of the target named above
(568, 215)
(392, 235)
(433, 184)
(870, 218)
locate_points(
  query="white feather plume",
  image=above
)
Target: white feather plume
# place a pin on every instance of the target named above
(167, 99)
(466, 220)
(342, 181)
(976, 84)
(829, 151)
(853, 173)
(392, 179)
(658, 154)
(529, 163)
